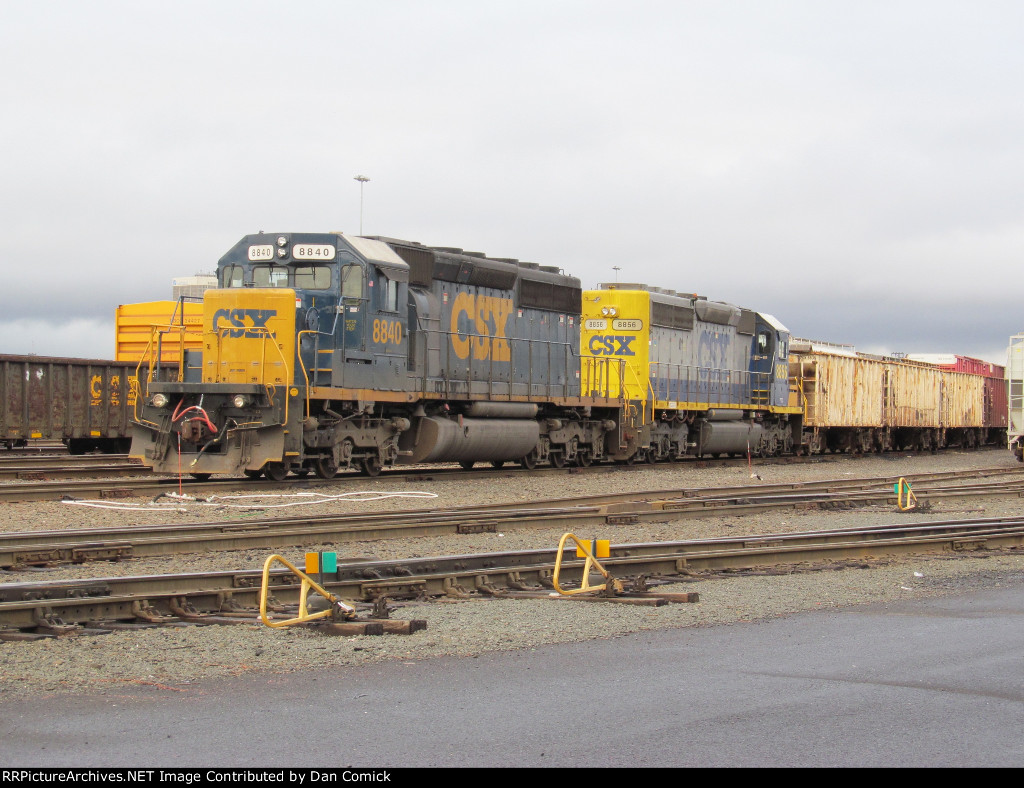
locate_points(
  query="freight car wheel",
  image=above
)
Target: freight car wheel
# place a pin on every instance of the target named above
(584, 458)
(557, 459)
(529, 461)
(371, 466)
(201, 477)
(467, 465)
(497, 463)
(275, 471)
(250, 473)
(301, 473)
(325, 468)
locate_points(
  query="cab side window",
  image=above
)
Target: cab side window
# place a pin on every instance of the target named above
(388, 290)
(352, 281)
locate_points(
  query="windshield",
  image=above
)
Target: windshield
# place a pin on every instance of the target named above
(298, 277)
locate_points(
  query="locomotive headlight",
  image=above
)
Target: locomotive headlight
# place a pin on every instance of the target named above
(282, 252)
(604, 311)
(240, 401)
(159, 400)
(281, 240)
(612, 311)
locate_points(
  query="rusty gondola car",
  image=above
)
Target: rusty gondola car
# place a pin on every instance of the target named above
(85, 403)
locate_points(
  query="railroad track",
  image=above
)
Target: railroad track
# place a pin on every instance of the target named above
(143, 483)
(92, 465)
(36, 548)
(61, 607)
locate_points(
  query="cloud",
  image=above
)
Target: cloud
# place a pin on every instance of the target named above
(853, 169)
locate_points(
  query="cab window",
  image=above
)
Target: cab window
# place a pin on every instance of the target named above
(388, 294)
(352, 281)
(312, 277)
(270, 276)
(231, 276)
(762, 342)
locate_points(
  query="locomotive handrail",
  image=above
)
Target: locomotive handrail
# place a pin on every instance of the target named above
(264, 335)
(472, 363)
(716, 381)
(156, 338)
(302, 363)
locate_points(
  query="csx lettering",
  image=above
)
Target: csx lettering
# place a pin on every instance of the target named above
(713, 349)
(611, 345)
(237, 317)
(488, 322)
(387, 331)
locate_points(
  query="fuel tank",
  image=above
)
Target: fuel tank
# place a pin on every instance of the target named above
(728, 436)
(468, 440)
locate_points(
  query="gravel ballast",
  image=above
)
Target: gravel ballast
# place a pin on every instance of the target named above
(175, 658)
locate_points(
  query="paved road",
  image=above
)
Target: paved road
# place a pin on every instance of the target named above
(929, 683)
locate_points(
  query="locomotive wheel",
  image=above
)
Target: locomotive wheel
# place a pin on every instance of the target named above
(201, 477)
(275, 471)
(467, 465)
(529, 461)
(301, 473)
(584, 458)
(371, 466)
(250, 473)
(325, 468)
(630, 460)
(651, 457)
(497, 463)
(557, 459)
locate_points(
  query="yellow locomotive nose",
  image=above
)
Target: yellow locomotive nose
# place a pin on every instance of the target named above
(249, 336)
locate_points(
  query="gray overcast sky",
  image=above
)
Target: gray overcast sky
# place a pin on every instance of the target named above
(853, 168)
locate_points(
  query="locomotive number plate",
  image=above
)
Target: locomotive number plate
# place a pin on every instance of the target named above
(313, 252)
(261, 252)
(595, 325)
(627, 325)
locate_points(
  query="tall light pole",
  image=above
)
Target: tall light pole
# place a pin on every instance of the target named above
(616, 269)
(362, 182)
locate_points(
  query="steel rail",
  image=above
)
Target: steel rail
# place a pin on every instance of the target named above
(81, 545)
(42, 473)
(33, 461)
(54, 604)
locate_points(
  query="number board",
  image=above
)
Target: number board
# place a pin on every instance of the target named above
(627, 325)
(313, 252)
(595, 325)
(261, 252)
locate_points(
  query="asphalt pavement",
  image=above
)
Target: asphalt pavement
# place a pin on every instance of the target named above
(930, 683)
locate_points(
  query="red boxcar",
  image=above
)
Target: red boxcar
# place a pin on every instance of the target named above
(995, 402)
(955, 363)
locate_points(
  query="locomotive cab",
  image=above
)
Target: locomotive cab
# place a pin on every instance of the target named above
(769, 362)
(294, 313)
